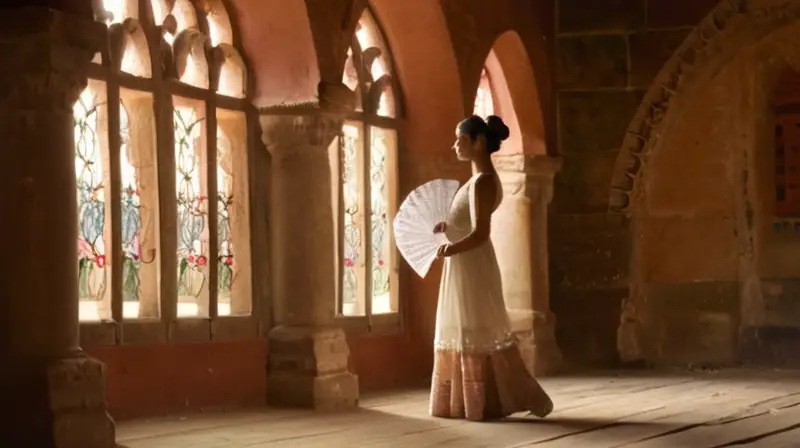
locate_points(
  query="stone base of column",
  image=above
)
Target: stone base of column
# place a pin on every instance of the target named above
(539, 349)
(55, 404)
(308, 368)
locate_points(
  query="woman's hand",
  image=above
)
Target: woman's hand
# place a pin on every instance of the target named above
(440, 228)
(443, 251)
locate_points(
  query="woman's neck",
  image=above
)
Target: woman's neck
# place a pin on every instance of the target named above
(482, 165)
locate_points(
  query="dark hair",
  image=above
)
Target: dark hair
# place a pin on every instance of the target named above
(493, 130)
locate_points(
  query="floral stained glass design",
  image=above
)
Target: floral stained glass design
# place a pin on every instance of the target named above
(192, 204)
(224, 206)
(379, 221)
(352, 213)
(92, 264)
(131, 215)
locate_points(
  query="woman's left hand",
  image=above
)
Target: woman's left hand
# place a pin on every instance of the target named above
(443, 251)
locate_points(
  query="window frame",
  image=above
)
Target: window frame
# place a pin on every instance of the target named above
(168, 327)
(366, 119)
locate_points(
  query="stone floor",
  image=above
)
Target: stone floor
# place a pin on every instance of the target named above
(648, 409)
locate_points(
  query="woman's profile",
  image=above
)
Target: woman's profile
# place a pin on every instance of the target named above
(478, 371)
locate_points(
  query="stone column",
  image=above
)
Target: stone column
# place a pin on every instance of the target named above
(519, 233)
(53, 394)
(308, 355)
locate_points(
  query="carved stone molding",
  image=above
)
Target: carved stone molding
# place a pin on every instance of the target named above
(731, 26)
(287, 135)
(528, 175)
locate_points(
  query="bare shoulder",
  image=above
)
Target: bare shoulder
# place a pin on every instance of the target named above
(486, 186)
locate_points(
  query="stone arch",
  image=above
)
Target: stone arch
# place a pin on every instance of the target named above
(706, 51)
(705, 260)
(515, 94)
(276, 37)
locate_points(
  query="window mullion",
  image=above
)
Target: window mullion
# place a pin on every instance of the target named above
(114, 199)
(165, 119)
(340, 243)
(213, 235)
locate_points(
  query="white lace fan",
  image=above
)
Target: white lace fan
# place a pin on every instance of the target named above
(419, 213)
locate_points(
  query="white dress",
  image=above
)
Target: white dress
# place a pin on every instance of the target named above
(478, 371)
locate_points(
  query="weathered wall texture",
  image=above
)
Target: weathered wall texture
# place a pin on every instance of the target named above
(718, 278)
(606, 53)
(712, 277)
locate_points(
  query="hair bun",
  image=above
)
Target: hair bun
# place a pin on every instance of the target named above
(497, 128)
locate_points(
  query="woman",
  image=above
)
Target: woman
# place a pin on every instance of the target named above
(478, 372)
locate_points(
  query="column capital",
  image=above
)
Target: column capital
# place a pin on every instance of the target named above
(46, 57)
(289, 132)
(531, 165)
(530, 176)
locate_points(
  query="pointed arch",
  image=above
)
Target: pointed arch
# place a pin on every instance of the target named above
(512, 88)
(369, 70)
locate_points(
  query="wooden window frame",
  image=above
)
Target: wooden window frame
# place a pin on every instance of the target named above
(168, 328)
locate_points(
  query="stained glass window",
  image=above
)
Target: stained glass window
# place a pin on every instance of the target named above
(131, 217)
(352, 263)
(119, 216)
(234, 296)
(225, 204)
(93, 227)
(381, 155)
(192, 212)
(368, 178)
(138, 221)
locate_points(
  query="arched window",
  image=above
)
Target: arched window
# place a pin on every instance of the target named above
(484, 97)
(368, 182)
(141, 127)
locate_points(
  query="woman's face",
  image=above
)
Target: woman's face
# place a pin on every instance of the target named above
(464, 147)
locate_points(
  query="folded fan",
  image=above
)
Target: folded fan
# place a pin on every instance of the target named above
(419, 213)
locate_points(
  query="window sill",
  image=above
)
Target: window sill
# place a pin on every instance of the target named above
(367, 326)
(182, 330)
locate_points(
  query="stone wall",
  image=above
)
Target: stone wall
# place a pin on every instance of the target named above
(606, 54)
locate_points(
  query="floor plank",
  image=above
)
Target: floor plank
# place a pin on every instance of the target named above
(608, 409)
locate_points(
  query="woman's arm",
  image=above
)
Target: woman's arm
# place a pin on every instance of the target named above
(485, 194)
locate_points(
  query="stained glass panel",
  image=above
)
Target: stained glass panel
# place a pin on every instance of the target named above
(380, 232)
(93, 271)
(352, 220)
(225, 252)
(192, 212)
(131, 215)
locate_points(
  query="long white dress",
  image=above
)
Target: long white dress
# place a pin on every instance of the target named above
(478, 371)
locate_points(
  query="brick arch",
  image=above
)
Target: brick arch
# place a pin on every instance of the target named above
(731, 26)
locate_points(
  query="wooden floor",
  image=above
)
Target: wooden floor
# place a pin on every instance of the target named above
(647, 409)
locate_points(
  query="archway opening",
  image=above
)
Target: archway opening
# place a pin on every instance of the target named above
(712, 203)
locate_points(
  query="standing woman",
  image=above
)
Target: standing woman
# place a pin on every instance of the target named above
(478, 372)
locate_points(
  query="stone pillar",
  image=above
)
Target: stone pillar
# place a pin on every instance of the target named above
(308, 355)
(519, 233)
(53, 394)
